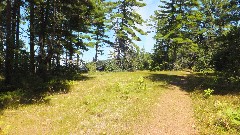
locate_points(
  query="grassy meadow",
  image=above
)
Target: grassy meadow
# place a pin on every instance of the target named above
(116, 103)
(106, 103)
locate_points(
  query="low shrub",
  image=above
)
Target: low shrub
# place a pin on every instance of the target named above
(12, 99)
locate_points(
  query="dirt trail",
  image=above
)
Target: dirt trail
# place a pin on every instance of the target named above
(172, 115)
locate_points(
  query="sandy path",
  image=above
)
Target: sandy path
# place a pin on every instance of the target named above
(172, 115)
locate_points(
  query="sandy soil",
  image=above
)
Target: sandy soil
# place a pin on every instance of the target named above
(172, 115)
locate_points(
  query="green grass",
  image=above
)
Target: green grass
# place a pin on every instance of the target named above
(218, 114)
(116, 103)
(108, 103)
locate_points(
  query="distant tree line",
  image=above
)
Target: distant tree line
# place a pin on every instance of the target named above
(197, 35)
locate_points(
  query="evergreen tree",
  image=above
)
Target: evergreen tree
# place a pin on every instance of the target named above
(187, 31)
(125, 21)
(227, 58)
(167, 28)
(100, 26)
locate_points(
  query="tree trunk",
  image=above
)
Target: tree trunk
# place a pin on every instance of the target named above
(1, 42)
(32, 36)
(58, 53)
(70, 52)
(53, 34)
(78, 59)
(9, 46)
(58, 58)
(42, 63)
(66, 59)
(96, 49)
(13, 29)
(18, 16)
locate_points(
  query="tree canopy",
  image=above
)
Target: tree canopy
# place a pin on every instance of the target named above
(190, 34)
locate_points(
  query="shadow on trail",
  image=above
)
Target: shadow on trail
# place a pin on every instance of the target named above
(33, 90)
(198, 81)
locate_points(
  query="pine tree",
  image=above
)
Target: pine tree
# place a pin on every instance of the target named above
(176, 29)
(166, 30)
(100, 26)
(125, 21)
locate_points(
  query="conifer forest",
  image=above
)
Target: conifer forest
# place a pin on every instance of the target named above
(193, 34)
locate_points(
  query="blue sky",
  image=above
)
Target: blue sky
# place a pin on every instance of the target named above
(146, 43)
(147, 40)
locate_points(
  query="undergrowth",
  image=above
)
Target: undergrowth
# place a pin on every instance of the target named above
(217, 110)
(218, 114)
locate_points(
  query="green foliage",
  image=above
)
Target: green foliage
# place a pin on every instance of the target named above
(233, 79)
(208, 93)
(203, 61)
(231, 119)
(220, 113)
(112, 66)
(56, 29)
(91, 66)
(124, 22)
(143, 60)
(234, 116)
(227, 58)
(187, 34)
(139, 60)
(2, 5)
(11, 99)
(142, 85)
(227, 118)
(175, 47)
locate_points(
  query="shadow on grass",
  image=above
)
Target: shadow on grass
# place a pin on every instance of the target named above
(33, 90)
(199, 81)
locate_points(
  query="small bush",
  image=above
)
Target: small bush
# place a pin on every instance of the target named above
(208, 93)
(112, 66)
(10, 98)
(91, 67)
(142, 85)
(228, 119)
